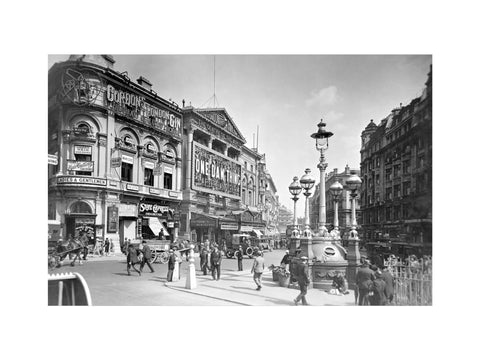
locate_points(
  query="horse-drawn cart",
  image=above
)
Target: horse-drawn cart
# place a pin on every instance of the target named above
(57, 252)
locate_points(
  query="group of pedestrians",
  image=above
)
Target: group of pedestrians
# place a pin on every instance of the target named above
(374, 286)
(140, 256)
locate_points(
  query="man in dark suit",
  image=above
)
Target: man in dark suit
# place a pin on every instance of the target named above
(239, 253)
(147, 255)
(303, 280)
(132, 259)
(204, 261)
(388, 278)
(171, 265)
(364, 281)
(215, 262)
(379, 289)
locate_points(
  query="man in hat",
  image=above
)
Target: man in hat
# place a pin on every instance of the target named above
(285, 260)
(171, 265)
(257, 269)
(132, 259)
(215, 262)
(379, 288)
(147, 255)
(389, 287)
(303, 280)
(364, 280)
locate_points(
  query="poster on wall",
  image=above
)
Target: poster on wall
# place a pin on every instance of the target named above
(112, 219)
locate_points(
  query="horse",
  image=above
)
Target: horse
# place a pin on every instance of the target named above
(72, 246)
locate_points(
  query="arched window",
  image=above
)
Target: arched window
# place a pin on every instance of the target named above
(80, 207)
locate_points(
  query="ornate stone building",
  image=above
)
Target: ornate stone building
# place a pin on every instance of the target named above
(115, 153)
(396, 167)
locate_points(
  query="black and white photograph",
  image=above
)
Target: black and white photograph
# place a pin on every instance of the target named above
(264, 180)
(224, 179)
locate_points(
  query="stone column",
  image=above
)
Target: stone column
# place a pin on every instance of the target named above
(322, 208)
(188, 172)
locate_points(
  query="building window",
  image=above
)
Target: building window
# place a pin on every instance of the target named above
(388, 174)
(167, 181)
(396, 190)
(389, 193)
(243, 196)
(83, 157)
(148, 177)
(127, 172)
(406, 167)
(396, 170)
(406, 188)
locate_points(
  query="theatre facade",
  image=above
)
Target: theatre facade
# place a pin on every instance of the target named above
(115, 153)
(219, 199)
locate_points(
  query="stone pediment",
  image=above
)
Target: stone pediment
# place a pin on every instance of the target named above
(220, 118)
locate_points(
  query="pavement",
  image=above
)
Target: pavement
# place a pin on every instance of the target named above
(238, 288)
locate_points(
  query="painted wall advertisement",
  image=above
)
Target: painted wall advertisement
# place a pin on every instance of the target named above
(215, 173)
(136, 107)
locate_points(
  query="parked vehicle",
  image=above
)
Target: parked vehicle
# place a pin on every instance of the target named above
(239, 242)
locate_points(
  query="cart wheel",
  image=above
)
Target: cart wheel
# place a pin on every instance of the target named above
(229, 254)
(249, 252)
(163, 257)
(153, 258)
(236, 253)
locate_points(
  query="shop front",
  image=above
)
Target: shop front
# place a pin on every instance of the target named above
(156, 220)
(203, 226)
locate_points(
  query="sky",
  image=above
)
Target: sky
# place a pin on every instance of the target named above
(286, 96)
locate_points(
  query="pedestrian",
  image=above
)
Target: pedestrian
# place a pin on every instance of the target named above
(303, 280)
(171, 265)
(338, 284)
(132, 259)
(364, 280)
(379, 296)
(112, 247)
(107, 247)
(84, 242)
(257, 270)
(388, 278)
(215, 262)
(285, 263)
(161, 235)
(147, 255)
(240, 258)
(207, 244)
(204, 261)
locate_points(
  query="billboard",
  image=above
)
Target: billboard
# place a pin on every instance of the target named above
(214, 173)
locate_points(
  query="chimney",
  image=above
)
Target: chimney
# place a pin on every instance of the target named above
(144, 83)
(347, 169)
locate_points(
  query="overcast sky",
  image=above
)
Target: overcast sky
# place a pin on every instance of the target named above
(286, 96)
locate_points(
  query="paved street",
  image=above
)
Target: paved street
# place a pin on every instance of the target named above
(110, 285)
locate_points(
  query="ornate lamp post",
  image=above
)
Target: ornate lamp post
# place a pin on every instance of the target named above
(321, 142)
(295, 189)
(353, 184)
(307, 181)
(336, 190)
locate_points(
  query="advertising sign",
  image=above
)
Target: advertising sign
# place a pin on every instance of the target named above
(84, 150)
(77, 180)
(74, 165)
(52, 159)
(116, 162)
(215, 173)
(112, 216)
(137, 108)
(147, 208)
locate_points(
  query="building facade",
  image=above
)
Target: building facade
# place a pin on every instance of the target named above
(115, 153)
(220, 196)
(396, 166)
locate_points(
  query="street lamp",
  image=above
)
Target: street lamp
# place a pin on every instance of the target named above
(307, 181)
(336, 190)
(321, 143)
(353, 184)
(295, 189)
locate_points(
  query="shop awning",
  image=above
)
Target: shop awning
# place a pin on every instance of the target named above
(257, 233)
(155, 225)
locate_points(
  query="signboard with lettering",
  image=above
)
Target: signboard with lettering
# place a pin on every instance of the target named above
(78, 180)
(84, 150)
(115, 162)
(147, 208)
(112, 219)
(215, 173)
(73, 165)
(136, 107)
(228, 226)
(157, 170)
(52, 159)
